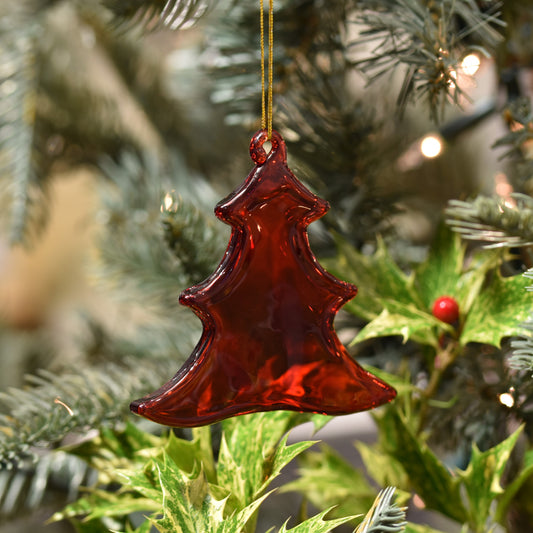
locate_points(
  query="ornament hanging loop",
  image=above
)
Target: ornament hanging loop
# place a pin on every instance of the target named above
(258, 153)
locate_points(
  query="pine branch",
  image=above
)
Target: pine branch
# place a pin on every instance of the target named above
(27, 487)
(519, 117)
(328, 132)
(384, 516)
(428, 38)
(522, 357)
(57, 405)
(21, 165)
(193, 238)
(303, 28)
(493, 220)
(153, 15)
(155, 243)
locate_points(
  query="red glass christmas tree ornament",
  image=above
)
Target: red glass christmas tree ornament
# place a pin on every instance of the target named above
(268, 339)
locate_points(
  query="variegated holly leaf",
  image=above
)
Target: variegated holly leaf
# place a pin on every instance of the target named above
(400, 305)
(327, 480)
(440, 274)
(514, 486)
(103, 503)
(253, 451)
(498, 311)
(194, 453)
(405, 321)
(317, 524)
(378, 279)
(435, 484)
(446, 272)
(482, 479)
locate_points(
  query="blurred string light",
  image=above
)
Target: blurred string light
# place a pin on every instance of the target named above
(418, 502)
(507, 398)
(431, 146)
(428, 147)
(169, 203)
(470, 64)
(504, 189)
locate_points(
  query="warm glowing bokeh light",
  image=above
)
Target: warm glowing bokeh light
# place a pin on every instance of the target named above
(431, 146)
(169, 203)
(418, 502)
(506, 399)
(470, 64)
(502, 187)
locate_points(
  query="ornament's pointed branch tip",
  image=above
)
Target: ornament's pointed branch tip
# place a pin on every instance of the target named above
(135, 407)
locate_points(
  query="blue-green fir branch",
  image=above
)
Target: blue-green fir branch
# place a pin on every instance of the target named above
(55, 405)
(493, 220)
(428, 38)
(522, 356)
(157, 14)
(26, 488)
(162, 237)
(21, 173)
(519, 117)
(384, 516)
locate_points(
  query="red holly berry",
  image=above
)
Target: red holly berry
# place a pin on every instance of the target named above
(446, 309)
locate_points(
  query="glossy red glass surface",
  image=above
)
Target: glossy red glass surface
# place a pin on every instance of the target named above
(268, 341)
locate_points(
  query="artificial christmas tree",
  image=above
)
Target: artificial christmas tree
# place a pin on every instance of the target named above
(154, 103)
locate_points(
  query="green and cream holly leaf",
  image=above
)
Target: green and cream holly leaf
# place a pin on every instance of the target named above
(190, 504)
(498, 311)
(399, 305)
(327, 480)
(418, 528)
(446, 272)
(253, 451)
(378, 279)
(482, 480)
(317, 524)
(439, 275)
(188, 454)
(384, 469)
(428, 477)
(514, 486)
(402, 384)
(112, 450)
(406, 321)
(102, 503)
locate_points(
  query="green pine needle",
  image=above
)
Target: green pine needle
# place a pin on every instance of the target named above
(21, 170)
(56, 405)
(428, 38)
(493, 220)
(384, 516)
(156, 14)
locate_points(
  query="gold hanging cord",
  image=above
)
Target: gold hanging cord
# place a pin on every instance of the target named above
(266, 107)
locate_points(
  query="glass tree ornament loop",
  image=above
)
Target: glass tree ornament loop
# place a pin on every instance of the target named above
(258, 153)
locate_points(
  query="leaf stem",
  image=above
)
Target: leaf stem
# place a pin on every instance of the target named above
(443, 360)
